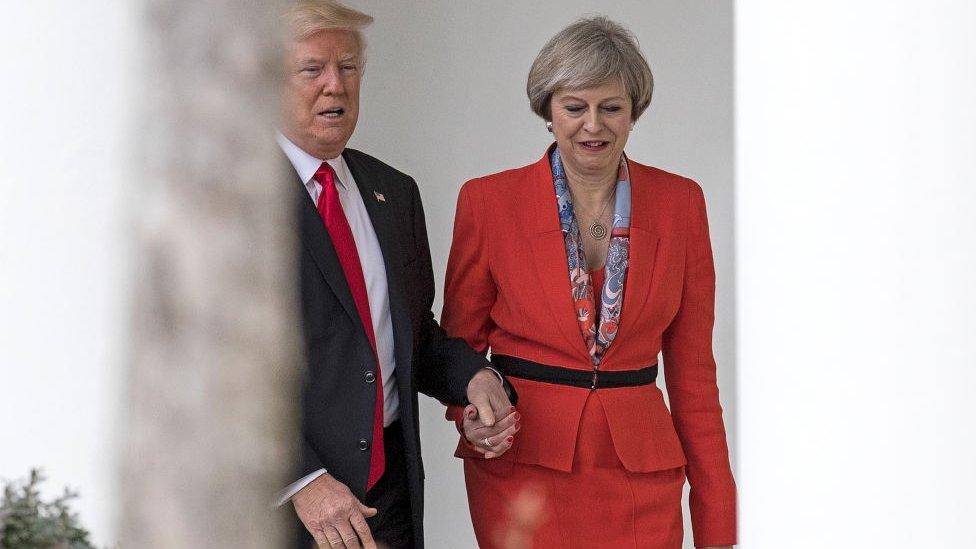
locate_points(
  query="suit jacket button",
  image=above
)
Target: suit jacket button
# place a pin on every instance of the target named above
(363, 444)
(369, 376)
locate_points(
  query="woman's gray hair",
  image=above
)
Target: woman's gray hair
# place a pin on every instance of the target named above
(307, 17)
(591, 52)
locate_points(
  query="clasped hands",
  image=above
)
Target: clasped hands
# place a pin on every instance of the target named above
(337, 519)
(490, 421)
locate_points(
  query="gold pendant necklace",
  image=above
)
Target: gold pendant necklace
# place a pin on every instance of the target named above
(598, 230)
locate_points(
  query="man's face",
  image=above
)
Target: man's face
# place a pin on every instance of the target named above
(320, 104)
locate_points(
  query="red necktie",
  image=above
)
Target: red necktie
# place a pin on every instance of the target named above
(338, 226)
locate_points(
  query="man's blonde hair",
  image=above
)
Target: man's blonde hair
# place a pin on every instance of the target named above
(308, 17)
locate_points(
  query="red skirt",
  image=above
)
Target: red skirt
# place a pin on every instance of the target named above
(598, 504)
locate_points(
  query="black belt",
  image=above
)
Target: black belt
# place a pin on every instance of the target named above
(592, 379)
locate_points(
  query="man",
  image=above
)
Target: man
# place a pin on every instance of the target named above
(366, 290)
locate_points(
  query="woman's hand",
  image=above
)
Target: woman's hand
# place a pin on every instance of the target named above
(494, 440)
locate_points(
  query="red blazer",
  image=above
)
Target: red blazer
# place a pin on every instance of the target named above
(507, 290)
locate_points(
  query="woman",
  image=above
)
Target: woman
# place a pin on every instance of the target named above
(575, 272)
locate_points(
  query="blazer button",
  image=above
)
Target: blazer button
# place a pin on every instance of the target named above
(363, 444)
(369, 376)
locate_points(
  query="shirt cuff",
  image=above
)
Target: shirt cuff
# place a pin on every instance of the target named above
(285, 495)
(501, 378)
(509, 390)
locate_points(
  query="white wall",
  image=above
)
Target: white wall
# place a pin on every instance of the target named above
(444, 100)
(64, 109)
(856, 248)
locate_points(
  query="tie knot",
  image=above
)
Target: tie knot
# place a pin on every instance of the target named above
(325, 175)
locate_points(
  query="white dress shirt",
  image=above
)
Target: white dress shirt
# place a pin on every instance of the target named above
(374, 271)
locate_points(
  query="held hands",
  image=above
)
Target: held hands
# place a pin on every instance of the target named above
(490, 440)
(334, 517)
(490, 421)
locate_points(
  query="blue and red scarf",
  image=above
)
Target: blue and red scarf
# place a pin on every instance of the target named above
(596, 337)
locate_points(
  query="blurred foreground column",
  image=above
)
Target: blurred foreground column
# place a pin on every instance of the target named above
(209, 409)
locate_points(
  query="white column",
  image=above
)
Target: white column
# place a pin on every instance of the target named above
(66, 105)
(856, 256)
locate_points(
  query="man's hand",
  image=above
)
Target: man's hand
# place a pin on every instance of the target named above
(490, 421)
(334, 517)
(487, 394)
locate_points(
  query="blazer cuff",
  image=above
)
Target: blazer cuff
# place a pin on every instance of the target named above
(714, 527)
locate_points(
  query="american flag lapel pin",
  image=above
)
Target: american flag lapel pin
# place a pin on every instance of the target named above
(379, 197)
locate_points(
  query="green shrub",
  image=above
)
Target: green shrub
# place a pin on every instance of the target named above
(27, 522)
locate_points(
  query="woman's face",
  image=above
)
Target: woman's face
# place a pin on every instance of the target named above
(591, 127)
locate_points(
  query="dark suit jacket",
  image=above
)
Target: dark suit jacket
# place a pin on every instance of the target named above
(338, 401)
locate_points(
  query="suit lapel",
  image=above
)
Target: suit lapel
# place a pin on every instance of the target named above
(383, 217)
(549, 255)
(319, 246)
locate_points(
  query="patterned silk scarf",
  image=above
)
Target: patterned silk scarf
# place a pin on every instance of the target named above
(597, 338)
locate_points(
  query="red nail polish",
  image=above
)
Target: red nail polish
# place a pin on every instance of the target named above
(509, 439)
(518, 416)
(518, 426)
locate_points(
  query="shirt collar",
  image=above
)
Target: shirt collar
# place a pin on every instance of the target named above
(306, 165)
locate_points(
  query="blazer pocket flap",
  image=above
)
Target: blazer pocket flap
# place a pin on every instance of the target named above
(641, 428)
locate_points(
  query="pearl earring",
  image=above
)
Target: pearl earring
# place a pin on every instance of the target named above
(549, 126)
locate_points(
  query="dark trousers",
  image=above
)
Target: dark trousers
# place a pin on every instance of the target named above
(392, 526)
